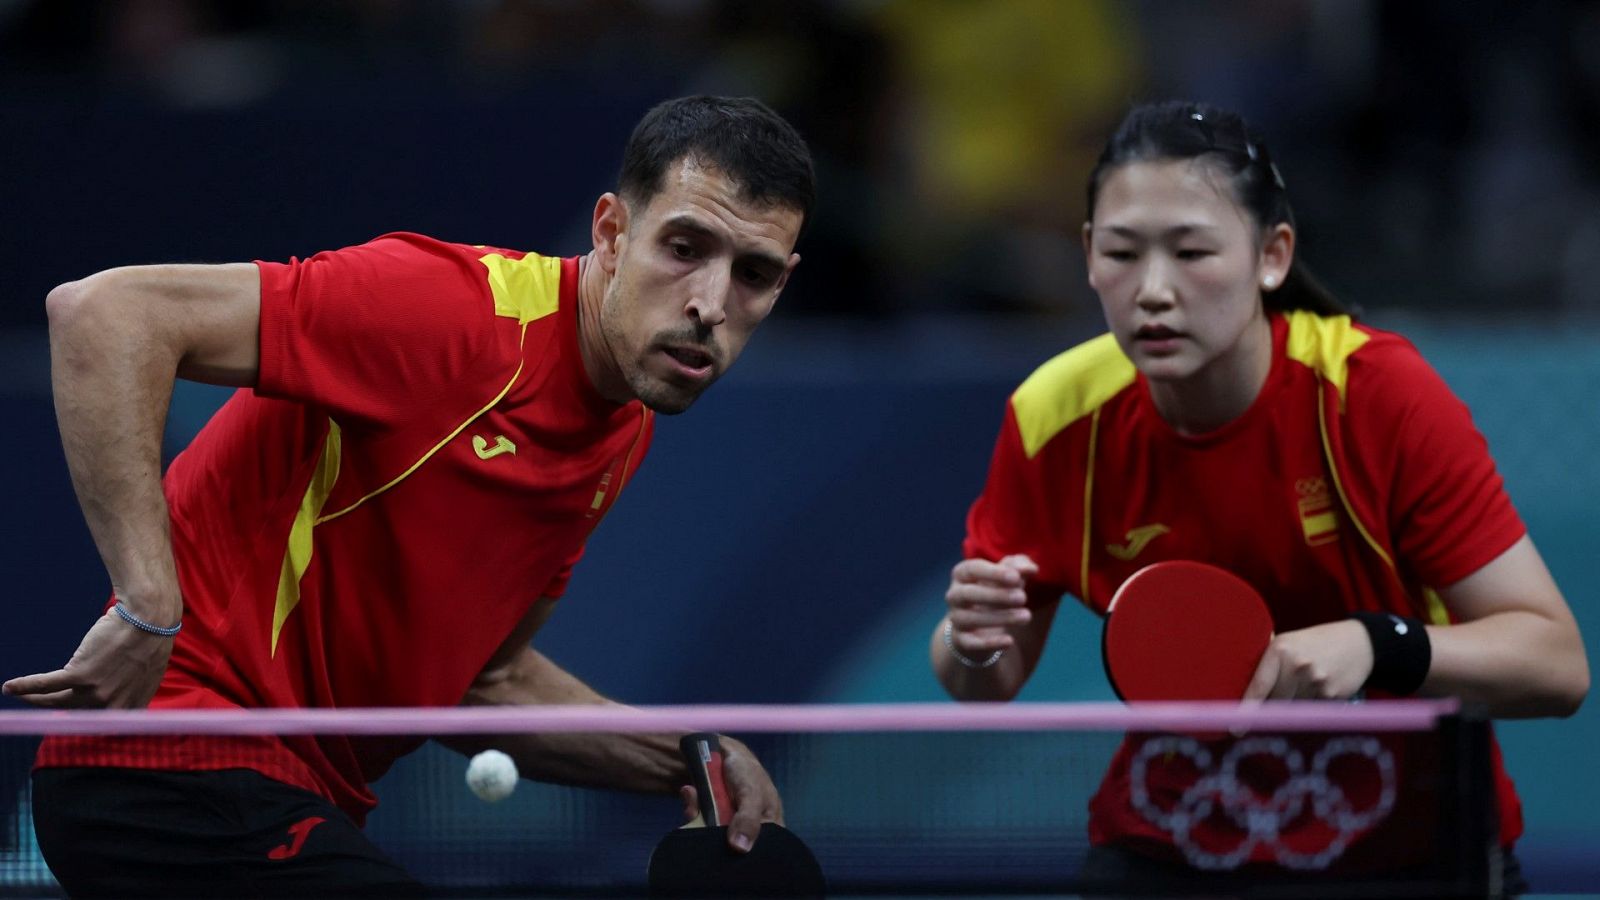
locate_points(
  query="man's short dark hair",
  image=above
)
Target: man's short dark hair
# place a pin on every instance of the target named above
(741, 136)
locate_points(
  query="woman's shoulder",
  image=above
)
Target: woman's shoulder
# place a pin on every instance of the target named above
(1070, 386)
(1388, 365)
(1355, 355)
(1388, 394)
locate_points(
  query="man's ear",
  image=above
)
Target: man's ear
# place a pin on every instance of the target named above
(1088, 241)
(788, 269)
(609, 230)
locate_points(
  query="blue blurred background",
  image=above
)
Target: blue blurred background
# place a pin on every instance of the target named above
(1444, 159)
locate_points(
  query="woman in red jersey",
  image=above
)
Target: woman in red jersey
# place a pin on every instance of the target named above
(1236, 415)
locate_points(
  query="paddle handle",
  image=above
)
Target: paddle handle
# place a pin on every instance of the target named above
(702, 753)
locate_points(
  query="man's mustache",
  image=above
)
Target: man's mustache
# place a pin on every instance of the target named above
(696, 338)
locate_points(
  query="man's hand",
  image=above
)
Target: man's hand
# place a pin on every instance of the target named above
(985, 600)
(116, 666)
(1324, 662)
(754, 796)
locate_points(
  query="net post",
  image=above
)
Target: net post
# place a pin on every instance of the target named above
(1469, 836)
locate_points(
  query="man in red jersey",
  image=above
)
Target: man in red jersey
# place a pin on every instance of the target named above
(385, 513)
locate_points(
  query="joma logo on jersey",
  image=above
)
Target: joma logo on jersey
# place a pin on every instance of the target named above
(502, 444)
(1138, 539)
(1319, 518)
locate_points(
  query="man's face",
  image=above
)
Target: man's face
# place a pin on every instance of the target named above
(693, 272)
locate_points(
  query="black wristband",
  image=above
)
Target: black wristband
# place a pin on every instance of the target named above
(1401, 652)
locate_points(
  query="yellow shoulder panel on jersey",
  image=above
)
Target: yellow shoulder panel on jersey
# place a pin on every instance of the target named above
(1072, 385)
(524, 289)
(1324, 344)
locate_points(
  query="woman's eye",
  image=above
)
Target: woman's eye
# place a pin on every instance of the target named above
(1193, 254)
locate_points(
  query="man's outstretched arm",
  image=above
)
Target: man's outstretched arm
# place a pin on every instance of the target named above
(520, 675)
(118, 340)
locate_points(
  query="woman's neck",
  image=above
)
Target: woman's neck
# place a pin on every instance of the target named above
(1222, 390)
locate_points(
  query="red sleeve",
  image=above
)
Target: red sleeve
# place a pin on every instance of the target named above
(377, 331)
(1013, 514)
(557, 587)
(1448, 510)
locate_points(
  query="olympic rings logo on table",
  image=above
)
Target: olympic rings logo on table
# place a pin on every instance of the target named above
(1262, 818)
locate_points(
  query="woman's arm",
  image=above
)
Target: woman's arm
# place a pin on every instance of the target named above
(1515, 647)
(990, 639)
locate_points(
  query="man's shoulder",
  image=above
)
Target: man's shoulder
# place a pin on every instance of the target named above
(411, 243)
(1068, 388)
(526, 285)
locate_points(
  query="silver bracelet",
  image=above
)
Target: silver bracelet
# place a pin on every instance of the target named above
(135, 621)
(950, 644)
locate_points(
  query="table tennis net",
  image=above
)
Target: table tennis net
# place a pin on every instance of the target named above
(1385, 799)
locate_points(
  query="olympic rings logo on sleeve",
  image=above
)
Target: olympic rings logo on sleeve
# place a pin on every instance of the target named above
(1263, 818)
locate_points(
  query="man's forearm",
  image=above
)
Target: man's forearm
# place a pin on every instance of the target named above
(112, 376)
(634, 762)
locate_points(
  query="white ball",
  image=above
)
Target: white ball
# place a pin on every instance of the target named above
(492, 776)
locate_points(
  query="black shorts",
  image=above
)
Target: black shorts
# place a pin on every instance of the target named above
(109, 832)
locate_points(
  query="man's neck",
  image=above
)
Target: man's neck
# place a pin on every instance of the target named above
(597, 365)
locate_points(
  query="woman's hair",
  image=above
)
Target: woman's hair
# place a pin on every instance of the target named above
(1176, 130)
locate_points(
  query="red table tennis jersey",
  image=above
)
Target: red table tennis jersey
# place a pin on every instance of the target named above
(1355, 481)
(422, 458)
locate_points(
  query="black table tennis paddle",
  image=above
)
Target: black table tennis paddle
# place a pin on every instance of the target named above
(697, 862)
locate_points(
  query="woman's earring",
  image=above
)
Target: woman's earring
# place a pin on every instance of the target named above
(1269, 282)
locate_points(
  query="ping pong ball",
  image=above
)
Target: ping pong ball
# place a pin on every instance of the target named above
(492, 776)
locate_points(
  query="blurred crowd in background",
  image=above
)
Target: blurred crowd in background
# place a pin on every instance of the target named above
(1441, 155)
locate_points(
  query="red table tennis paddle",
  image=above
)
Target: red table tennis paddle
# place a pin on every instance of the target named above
(1183, 630)
(697, 862)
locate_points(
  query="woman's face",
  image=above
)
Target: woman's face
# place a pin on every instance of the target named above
(1179, 267)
